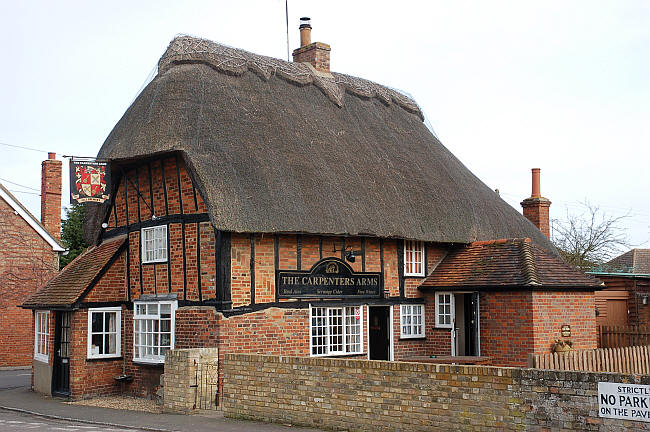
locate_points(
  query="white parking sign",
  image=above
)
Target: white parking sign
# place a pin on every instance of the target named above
(624, 401)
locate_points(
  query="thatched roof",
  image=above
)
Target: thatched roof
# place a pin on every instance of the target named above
(278, 147)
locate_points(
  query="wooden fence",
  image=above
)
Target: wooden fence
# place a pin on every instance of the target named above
(630, 360)
(623, 336)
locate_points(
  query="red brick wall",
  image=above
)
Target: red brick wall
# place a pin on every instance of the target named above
(240, 266)
(89, 377)
(165, 176)
(552, 310)
(506, 321)
(26, 263)
(514, 324)
(111, 286)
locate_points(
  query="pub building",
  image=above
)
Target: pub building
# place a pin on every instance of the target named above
(264, 206)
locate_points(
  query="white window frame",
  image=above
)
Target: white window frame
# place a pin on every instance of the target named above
(140, 318)
(160, 254)
(451, 309)
(346, 313)
(414, 256)
(118, 332)
(408, 314)
(42, 350)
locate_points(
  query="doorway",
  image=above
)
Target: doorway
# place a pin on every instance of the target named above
(465, 333)
(379, 332)
(61, 365)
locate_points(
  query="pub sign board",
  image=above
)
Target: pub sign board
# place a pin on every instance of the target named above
(329, 278)
(90, 180)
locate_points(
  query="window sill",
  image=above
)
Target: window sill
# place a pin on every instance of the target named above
(154, 262)
(338, 355)
(45, 360)
(412, 276)
(408, 338)
(149, 362)
(94, 359)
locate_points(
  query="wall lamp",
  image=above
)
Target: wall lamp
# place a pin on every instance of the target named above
(351, 254)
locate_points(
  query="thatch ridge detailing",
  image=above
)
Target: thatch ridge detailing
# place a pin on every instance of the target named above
(187, 49)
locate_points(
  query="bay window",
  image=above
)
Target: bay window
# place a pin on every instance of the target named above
(153, 330)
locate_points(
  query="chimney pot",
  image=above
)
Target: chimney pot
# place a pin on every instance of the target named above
(536, 190)
(305, 31)
(51, 155)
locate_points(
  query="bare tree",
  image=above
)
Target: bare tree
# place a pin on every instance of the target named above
(590, 238)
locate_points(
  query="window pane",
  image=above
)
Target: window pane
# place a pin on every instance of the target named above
(97, 346)
(110, 321)
(110, 344)
(97, 321)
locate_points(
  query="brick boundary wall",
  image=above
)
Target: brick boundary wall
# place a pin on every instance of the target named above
(373, 395)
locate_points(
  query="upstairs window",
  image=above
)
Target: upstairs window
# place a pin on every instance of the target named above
(336, 331)
(154, 244)
(42, 335)
(412, 321)
(153, 330)
(413, 258)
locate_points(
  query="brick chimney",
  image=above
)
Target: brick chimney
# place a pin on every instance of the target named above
(51, 195)
(315, 53)
(536, 207)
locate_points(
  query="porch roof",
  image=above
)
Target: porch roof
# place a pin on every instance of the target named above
(68, 286)
(506, 263)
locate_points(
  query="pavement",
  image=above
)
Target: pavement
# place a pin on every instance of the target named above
(16, 396)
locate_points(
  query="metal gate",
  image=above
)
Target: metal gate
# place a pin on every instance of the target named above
(207, 386)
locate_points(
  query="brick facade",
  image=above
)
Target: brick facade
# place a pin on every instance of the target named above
(27, 261)
(225, 286)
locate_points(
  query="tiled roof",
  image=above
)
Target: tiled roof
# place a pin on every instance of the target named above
(635, 261)
(64, 289)
(507, 263)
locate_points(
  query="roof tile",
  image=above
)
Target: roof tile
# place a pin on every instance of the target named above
(69, 284)
(506, 263)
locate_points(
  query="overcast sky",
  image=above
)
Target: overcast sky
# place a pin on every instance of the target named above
(507, 86)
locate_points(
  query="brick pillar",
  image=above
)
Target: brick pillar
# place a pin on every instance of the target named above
(51, 195)
(536, 208)
(315, 53)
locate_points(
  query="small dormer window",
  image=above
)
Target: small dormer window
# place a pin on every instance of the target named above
(154, 244)
(413, 258)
